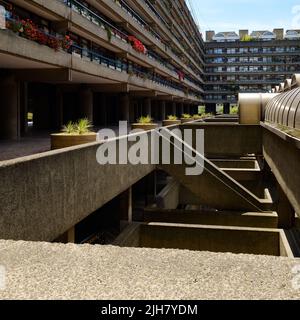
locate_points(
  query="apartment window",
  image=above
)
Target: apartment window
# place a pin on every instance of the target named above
(243, 69)
(230, 78)
(231, 69)
(218, 51)
(254, 68)
(253, 59)
(244, 59)
(218, 69)
(232, 60)
(280, 49)
(231, 50)
(243, 50)
(254, 50)
(267, 50)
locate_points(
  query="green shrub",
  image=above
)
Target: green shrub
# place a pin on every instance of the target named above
(172, 118)
(69, 128)
(234, 110)
(82, 126)
(145, 120)
(186, 116)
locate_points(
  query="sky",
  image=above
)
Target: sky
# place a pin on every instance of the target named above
(232, 15)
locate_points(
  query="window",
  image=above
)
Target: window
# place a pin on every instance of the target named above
(231, 50)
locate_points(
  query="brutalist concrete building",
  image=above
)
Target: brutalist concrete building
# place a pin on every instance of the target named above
(73, 226)
(248, 62)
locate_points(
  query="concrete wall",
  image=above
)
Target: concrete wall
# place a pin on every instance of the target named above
(227, 140)
(44, 195)
(221, 218)
(208, 238)
(282, 154)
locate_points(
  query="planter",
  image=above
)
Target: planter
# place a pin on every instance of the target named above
(167, 123)
(145, 127)
(63, 140)
(183, 120)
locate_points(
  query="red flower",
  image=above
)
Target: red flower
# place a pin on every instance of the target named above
(137, 45)
(181, 75)
(42, 37)
(66, 43)
(30, 30)
(53, 43)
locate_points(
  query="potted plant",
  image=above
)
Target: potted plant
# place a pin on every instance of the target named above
(186, 118)
(171, 120)
(144, 123)
(73, 134)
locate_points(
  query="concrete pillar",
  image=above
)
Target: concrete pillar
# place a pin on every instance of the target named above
(286, 213)
(211, 108)
(24, 108)
(162, 107)
(226, 108)
(194, 109)
(147, 107)
(10, 109)
(86, 103)
(125, 208)
(187, 109)
(174, 109)
(125, 108)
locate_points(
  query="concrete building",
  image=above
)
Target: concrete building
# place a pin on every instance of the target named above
(248, 62)
(71, 228)
(105, 60)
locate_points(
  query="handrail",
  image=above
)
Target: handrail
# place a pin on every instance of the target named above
(69, 3)
(117, 64)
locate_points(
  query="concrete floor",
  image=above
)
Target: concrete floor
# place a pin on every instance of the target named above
(34, 143)
(24, 147)
(56, 271)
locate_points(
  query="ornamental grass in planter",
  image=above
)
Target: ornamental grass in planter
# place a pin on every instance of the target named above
(171, 120)
(144, 123)
(186, 118)
(73, 134)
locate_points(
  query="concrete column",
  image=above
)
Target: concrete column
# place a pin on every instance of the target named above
(194, 109)
(211, 108)
(24, 108)
(125, 108)
(125, 210)
(286, 213)
(162, 107)
(86, 103)
(10, 109)
(226, 108)
(174, 109)
(147, 107)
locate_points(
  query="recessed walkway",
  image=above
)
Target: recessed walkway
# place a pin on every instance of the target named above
(34, 143)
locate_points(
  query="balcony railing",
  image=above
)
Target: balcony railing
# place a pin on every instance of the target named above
(104, 24)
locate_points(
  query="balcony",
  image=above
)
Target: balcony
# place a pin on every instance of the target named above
(119, 39)
(77, 64)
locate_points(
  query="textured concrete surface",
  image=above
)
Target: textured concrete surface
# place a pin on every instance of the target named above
(43, 195)
(23, 147)
(55, 271)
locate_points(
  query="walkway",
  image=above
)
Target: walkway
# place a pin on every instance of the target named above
(57, 271)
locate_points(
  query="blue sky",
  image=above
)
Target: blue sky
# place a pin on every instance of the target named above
(232, 15)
